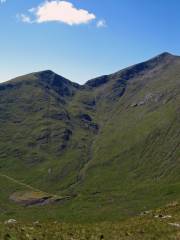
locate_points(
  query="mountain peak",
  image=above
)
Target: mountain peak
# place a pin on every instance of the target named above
(45, 74)
(164, 55)
(130, 72)
(60, 84)
(47, 71)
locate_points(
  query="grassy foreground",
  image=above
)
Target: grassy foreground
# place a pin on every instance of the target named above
(139, 229)
(160, 224)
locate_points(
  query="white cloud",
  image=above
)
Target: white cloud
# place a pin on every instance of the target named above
(58, 11)
(24, 18)
(101, 23)
(2, 1)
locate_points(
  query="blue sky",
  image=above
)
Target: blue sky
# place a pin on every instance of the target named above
(101, 38)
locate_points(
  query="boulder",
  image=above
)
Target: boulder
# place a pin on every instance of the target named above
(11, 221)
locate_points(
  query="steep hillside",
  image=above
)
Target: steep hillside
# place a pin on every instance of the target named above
(111, 145)
(38, 133)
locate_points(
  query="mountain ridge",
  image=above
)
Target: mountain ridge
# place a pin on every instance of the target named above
(162, 56)
(111, 144)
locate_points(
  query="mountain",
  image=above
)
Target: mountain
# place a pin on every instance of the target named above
(99, 151)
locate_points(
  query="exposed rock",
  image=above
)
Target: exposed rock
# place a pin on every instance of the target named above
(85, 117)
(118, 89)
(6, 86)
(134, 105)
(149, 98)
(97, 82)
(67, 134)
(60, 116)
(145, 213)
(167, 216)
(11, 221)
(141, 103)
(36, 223)
(43, 137)
(175, 225)
(90, 103)
(158, 216)
(62, 147)
(173, 204)
(94, 126)
(88, 123)
(163, 216)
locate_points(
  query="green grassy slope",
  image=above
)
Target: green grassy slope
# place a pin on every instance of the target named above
(136, 153)
(111, 145)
